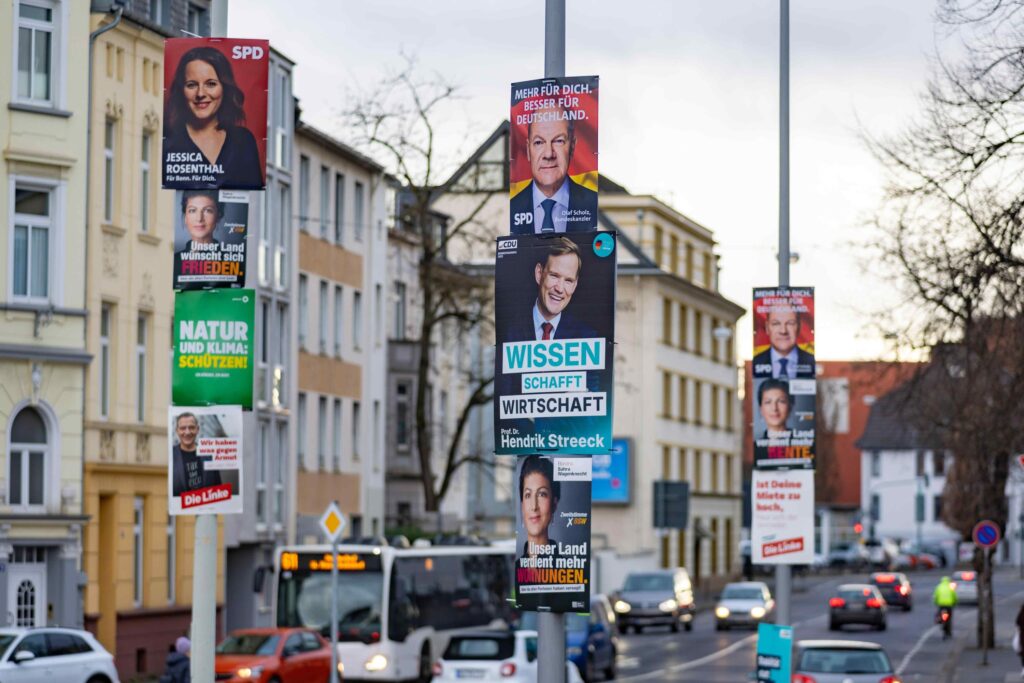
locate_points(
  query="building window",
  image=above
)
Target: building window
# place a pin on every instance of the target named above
(715, 414)
(281, 247)
(876, 465)
(357, 320)
(36, 51)
(689, 262)
(34, 213)
(262, 454)
(106, 315)
(108, 171)
(728, 474)
(280, 461)
(402, 415)
(709, 271)
(684, 404)
(339, 208)
(141, 342)
(281, 117)
(728, 410)
(196, 20)
(147, 143)
(322, 312)
(698, 472)
(698, 333)
(172, 556)
(673, 254)
(939, 465)
(378, 313)
(339, 319)
(138, 549)
(359, 218)
(920, 459)
(336, 436)
(321, 434)
(325, 199)
(400, 303)
(876, 507)
(303, 310)
(666, 462)
(714, 473)
(279, 387)
(698, 402)
(666, 321)
(29, 453)
(303, 192)
(682, 326)
(156, 11)
(659, 246)
(355, 430)
(681, 458)
(666, 394)
(300, 426)
(937, 508)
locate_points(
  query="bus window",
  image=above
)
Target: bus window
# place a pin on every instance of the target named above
(304, 599)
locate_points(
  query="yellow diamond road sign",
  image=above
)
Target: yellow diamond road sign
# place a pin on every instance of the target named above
(333, 522)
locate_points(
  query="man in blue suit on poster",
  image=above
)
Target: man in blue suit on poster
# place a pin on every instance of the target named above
(783, 359)
(552, 202)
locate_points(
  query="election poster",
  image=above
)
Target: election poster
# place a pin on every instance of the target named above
(210, 227)
(205, 462)
(553, 156)
(783, 395)
(553, 534)
(782, 517)
(213, 347)
(215, 113)
(774, 653)
(555, 328)
(611, 474)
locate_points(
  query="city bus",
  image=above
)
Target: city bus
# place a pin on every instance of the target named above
(397, 606)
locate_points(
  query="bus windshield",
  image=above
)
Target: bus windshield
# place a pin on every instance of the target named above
(304, 599)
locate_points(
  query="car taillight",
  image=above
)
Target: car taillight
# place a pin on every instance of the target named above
(945, 616)
(891, 679)
(967, 576)
(903, 590)
(508, 669)
(437, 670)
(874, 603)
(801, 678)
(837, 602)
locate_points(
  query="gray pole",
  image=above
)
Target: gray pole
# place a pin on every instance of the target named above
(783, 572)
(551, 626)
(334, 611)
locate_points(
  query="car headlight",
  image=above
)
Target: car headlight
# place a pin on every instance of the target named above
(573, 651)
(667, 605)
(249, 672)
(341, 668)
(757, 612)
(622, 607)
(378, 662)
(722, 612)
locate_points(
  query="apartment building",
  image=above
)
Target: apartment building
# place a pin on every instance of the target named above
(43, 96)
(339, 334)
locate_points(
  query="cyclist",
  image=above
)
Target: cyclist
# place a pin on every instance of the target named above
(945, 600)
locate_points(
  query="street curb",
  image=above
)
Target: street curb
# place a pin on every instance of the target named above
(949, 665)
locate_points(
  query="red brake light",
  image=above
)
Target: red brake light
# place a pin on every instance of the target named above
(967, 576)
(837, 602)
(508, 669)
(801, 678)
(891, 679)
(945, 616)
(436, 670)
(874, 603)
(885, 578)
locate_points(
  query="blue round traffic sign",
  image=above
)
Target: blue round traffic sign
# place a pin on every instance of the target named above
(986, 534)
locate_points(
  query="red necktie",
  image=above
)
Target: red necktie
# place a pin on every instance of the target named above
(547, 327)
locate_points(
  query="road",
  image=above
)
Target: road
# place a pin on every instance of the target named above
(912, 641)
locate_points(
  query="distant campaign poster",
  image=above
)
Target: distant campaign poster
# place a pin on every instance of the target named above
(213, 347)
(205, 460)
(555, 327)
(774, 653)
(215, 113)
(782, 517)
(553, 534)
(210, 227)
(553, 156)
(784, 392)
(611, 473)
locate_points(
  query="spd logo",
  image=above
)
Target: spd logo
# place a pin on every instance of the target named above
(247, 52)
(523, 218)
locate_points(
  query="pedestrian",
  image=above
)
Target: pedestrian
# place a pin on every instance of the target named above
(179, 668)
(1017, 645)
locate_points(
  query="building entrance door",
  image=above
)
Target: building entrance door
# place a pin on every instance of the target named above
(26, 595)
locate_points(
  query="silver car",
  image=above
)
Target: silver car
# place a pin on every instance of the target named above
(54, 654)
(842, 661)
(744, 604)
(966, 586)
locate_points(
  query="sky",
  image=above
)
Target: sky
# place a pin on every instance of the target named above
(689, 112)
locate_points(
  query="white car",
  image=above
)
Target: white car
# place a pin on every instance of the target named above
(496, 655)
(966, 586)
(54, 654)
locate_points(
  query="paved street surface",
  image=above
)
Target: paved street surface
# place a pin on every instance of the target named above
(912, 641)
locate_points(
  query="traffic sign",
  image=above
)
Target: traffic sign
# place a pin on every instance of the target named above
(333, 522)
(986, 534)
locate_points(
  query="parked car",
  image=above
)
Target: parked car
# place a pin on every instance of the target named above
(590, 641)
(848, 556)
(878, 557)
(856, 603)
(655, 598)
(494, 655)
(284, 655)
(744, 604)
(895, 588)
(966, 586)
(54, 654)
(841, 661)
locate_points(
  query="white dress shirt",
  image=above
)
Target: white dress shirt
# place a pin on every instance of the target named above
(559, 210)
(791, 359)
(538, 321)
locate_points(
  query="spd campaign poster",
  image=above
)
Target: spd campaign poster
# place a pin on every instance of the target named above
(782, 517)
(553, 534)
(215, 113)
(553, 155)
(210, 227)
(555, 327)
(783, 394)
(205, 462)
(213, 347)
(774, 653)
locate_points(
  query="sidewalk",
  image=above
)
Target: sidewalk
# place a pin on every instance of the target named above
(1004, 665)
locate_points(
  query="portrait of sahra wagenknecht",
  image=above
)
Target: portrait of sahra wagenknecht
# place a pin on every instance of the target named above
(204, 464)
(555, 325)
(210, 228)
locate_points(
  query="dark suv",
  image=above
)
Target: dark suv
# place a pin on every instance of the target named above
(655, 598)
(895, 588)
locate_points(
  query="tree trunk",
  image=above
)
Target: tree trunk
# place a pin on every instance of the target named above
(985, 629)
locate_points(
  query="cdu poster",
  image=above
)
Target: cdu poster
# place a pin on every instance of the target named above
(553, 534)
(555, 327)
(783, 395)
(215, 113)
(209, 238)
(553, 156)
(213, 347)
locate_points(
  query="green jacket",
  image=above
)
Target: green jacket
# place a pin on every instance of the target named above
(944, 595)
